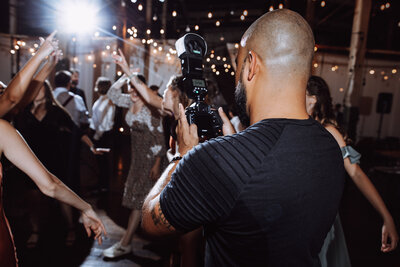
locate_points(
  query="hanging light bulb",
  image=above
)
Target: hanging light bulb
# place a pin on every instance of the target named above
(140, 7)
(174, 13)
(245, 12)
(209, 15)
(323, 4)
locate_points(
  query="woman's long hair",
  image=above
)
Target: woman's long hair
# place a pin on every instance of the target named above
(323, 108)
(49, 98)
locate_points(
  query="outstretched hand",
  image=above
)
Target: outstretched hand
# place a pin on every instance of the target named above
(48, 45)
(187, 136)
(227, 127)
(92, 223)
(120, 60)
(389, 233)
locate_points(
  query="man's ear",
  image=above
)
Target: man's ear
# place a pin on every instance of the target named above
(253, 62)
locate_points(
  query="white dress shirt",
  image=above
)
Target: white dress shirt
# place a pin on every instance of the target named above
(76, 107)
(103, 116)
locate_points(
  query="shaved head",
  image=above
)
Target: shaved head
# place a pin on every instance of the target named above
(283, 40)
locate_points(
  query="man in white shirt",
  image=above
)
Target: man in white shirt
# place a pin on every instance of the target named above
(102, 124)
(103, 110)
(73, 103)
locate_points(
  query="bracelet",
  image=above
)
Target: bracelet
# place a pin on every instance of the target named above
(175, 159)
(132, 75)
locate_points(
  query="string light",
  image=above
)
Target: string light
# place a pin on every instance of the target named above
(143, 41)
(89, 57)
(114, 53)
(394, 71)
(208, 59)
(213, 66)
(16, 47)
(131, 38)
(31, 50)
(174, 13)
(12, 51)
(94, 66)
(114, 27)
(75, 59)
(315, 48)
(382, 7)
(315, 65)
(35, 45)
(218, 58)
(271, 8)
(372, 72)
(385, 77)
(245, 12)
(233, 73)
(226, 70)
(160, 48)
(224, 59)
(108, 47)
(134, 1)
(119, 73)
(212, 56)
(280, 6)
(341, 89)
(196, 27)
(387, 5)
(242, 17)
(148, 31)
(103, 53)
(155, 44)
(217, 23)
(121, 129)
(18, 42)
(323, 3)
(236, 45)
(23, 43)
(96, 34)
(217, 72)
(140, 7)
(209, 15)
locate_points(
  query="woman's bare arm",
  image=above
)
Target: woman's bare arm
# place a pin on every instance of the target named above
(146, 93)
(19, 84)
(18, 152)
(364, 184)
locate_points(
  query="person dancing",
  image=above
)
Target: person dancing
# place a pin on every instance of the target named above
(334, 251)
(147, 150)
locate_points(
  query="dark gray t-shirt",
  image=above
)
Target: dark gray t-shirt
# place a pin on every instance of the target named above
(266, 196)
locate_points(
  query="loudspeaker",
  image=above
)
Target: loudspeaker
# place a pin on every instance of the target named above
(384, 104)
(365, 105)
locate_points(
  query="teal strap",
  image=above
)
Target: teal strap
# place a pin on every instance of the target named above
(351, 153)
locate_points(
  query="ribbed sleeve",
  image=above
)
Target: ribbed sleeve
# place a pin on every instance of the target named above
(209, 179)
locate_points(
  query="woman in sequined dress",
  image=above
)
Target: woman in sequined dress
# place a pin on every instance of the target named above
(147, 150)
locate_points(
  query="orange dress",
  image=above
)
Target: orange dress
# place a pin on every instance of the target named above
(8, 257)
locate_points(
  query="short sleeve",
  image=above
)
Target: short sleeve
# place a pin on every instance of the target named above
(204, 187)
(351, 153)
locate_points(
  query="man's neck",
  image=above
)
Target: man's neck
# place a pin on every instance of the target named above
(289, 106)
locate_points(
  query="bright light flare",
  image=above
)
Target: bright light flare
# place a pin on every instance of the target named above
(78, 17)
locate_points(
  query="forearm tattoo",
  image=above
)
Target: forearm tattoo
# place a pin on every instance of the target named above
(160, 218)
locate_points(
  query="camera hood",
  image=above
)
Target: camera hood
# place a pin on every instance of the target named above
(191, 44)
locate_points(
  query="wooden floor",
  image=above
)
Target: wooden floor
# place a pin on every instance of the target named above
(361, 224)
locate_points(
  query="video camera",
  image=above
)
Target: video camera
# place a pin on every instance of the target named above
(191, 49)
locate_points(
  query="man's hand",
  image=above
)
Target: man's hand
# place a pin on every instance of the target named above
(227, 127)
(389, 232)
(187, 136)
(93, 223)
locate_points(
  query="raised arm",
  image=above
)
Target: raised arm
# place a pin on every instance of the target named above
(116, 96)
(37, 82)
(369, 191)
(17, 151)
(147, 94)
(19, 84)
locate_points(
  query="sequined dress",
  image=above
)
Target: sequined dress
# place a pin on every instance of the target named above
(7, 250)
(147, 143)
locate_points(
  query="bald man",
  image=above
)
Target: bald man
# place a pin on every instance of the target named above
(268, 195)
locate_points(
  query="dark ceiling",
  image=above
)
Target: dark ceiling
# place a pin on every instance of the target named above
(331, 24)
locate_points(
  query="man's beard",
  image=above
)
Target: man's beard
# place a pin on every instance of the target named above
(74, 83)
(241, 99)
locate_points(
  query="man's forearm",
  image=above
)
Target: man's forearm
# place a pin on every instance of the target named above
(160, 184)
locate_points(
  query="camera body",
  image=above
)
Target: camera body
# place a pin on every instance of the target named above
(191, 49)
